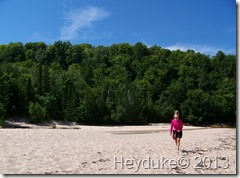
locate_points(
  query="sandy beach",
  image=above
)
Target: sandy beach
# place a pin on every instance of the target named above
(117, 150)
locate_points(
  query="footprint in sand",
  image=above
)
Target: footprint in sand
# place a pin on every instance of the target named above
(102, 169)
(100, 160)
(84, 164)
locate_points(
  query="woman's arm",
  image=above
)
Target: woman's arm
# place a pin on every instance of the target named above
(171, 127)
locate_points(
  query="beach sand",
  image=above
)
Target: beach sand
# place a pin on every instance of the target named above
(117, 150)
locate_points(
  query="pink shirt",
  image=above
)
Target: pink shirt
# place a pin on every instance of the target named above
(176, 125)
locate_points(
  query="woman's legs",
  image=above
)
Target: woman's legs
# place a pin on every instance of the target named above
(178, 143)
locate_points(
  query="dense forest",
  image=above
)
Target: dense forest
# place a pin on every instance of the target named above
(114, 85)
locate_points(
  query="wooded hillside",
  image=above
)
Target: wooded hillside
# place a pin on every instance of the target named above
(117, 84)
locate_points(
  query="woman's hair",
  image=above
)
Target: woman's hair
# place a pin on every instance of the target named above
(176, 112)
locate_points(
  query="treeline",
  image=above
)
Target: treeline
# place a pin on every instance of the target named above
(117, 84)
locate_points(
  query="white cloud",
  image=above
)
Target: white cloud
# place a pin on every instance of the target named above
(46, 37)
(80, 21)
(146, 43)
(200, 48)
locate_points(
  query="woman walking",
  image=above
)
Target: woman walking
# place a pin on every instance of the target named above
(176, 129)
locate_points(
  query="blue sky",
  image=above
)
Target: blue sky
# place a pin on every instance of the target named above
(202, 25)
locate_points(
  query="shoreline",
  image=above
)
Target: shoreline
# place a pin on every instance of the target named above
(52, 124)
